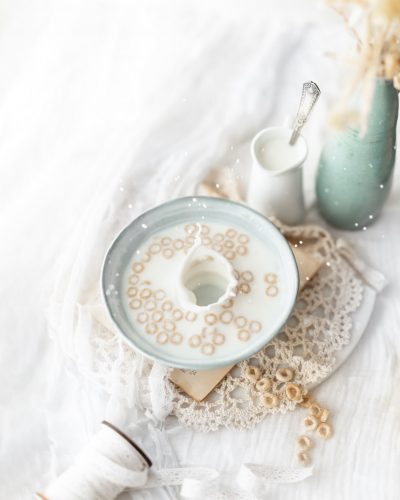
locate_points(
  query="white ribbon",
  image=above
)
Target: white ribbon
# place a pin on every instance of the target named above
(371, 276)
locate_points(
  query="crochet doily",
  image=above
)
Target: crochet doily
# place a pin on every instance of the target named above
(319, 326)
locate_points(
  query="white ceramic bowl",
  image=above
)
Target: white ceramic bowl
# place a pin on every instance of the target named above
(183, 211)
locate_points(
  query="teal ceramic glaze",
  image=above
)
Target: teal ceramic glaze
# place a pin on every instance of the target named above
(355, 174)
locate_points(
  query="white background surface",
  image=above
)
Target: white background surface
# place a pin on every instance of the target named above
(97, 96)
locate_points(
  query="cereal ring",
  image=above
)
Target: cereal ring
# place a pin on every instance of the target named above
(167, 305)
(176, 338)
(177, 314)
(217, 247)
(303, 458)
(157, 316)
(247, 276)
(306, 401)
(191, 316)
(284, 374)
(228, 254)
(241, 250)
(252, 373)
(218, 338)
(168, 253)
(324, 415)
(135, 304)
(133, 279)
(243, 239)
(146, 257)
(315, 410)
(324, 430)
(159, 294)
(208, 349)
(218, 237)
(303, 443)
(204, 229)
(132, 291)
(195, 341)
(178, 244)
(272, 291)
(206, 241)
(210, 318)
(231, 233)
(137, 267)
(228, 244)
(162, 337)
(226, 317)
(150, 305)
(145, 293)
(264, 384)
(142, 317)
(189, 241)
(240, 321)
(243, 335)
(155, 248)
(227, 304)
(293, 392)
(310, 423)
(244, 288)
(269, 400)
(169, 325)
(151, 328)
(270, 278)
(190, 228)
(166, 241)
(255, 326)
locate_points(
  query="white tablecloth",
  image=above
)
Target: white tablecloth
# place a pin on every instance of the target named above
(97, 98)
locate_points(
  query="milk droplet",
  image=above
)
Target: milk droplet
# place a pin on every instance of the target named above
(144, 226)
(371, 216)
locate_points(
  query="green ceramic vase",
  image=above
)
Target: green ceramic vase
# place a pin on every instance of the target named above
(355, 173)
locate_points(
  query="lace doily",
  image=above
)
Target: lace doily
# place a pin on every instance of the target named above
(319, 326)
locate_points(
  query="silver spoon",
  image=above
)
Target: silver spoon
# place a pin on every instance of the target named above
(309, 97)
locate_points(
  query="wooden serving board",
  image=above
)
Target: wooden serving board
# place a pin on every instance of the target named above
(199, 384)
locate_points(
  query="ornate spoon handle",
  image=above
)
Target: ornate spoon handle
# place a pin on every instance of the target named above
(309, 97)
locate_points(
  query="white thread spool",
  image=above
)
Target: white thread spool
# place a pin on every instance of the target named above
(110, 463)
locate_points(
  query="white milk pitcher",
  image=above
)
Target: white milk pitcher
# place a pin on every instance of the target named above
(276, 180)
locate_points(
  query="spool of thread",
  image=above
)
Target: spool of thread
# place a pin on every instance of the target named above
(109, 464)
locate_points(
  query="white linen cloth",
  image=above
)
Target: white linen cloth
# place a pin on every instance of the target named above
(107, 108)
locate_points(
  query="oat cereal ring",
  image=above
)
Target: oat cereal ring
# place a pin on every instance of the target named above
(191, 316)
(137, 267)
(272, 291)
(231, 233)
(135, 304)
(218, 237)
(162, 337)
(303, 458)
(178, 244)
(244, 288)
(217, 247)
(206, 241)
(151, 328)
(227, 304)
(324, 415)
(166, 241)
(255, 326)
(270, 278)
(204, 229)
(155, 248)
(142, 317)
(303, 443)
(226, 317)
(189, 241)
(146, 282)
(159, 294)
(269, 400)
(210, 318)
(146, 257)
(240, 321)
(168, 253)
(247, 276)
(145, 293)
(208, 349)
(252, 373)
(306, 401)
(315, 410)
(169, 325)
(284, 374)
(241, 250)
(177, 314)
(228, 254)
(132, 291)
(243, 239)
(133, 279)
(195, 341)
(293, 392)
(310, 423)
(264, 384)
(157, 316)
(324, 430)
(167, 305)
(176, 338)
(150, 305)
(218, 338)
(228, 244)
(190, 228)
